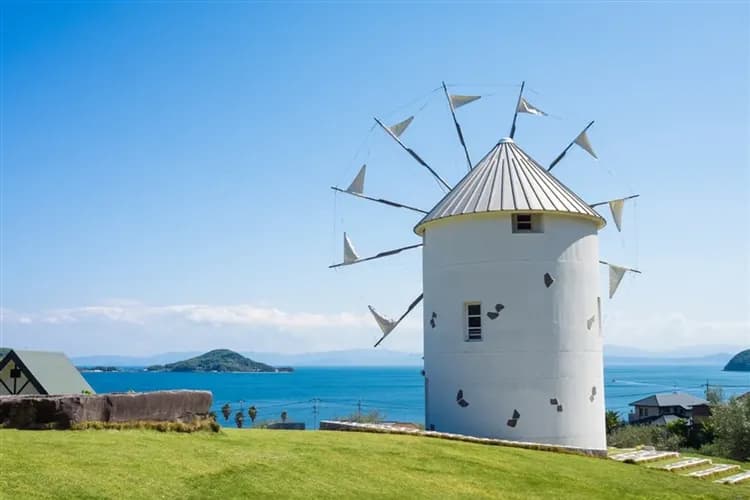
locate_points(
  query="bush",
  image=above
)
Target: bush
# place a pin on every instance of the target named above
(658, 436)
(194, 426)
(372, 417)
(731, 428)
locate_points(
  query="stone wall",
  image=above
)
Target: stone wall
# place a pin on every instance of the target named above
(60, 412)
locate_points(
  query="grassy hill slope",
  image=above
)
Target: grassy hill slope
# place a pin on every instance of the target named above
(263, 464)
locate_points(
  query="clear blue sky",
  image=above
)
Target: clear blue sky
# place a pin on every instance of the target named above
(165, 165)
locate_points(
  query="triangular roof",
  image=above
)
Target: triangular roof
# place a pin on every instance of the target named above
(509, 180)
(52, 371)
(682, 399)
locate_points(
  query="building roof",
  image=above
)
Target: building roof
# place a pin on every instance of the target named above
(671, 399)
(509, 180)
(665, 419)
(53, 371)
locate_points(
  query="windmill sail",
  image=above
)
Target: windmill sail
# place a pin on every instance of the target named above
(388, 325)
(350, 254)
(358, 184)
(400, 127)
(462, 100)
(616, 206)
(525, 107)
(615, 276)
(583, 141)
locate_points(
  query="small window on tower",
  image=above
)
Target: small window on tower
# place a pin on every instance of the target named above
(473, 321)
(527, 223)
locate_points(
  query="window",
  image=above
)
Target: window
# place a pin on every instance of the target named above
(473, 321)
(527, 223)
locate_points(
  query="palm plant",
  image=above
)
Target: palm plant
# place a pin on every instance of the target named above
(226, 410)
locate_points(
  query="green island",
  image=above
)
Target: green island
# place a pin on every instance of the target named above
(739, 363)
(323, 464)
(218, 360)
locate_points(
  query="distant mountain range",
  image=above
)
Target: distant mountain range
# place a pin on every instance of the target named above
(613, 355)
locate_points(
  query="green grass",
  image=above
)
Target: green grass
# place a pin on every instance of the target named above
(283, 464)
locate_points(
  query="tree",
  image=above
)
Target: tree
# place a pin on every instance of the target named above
(252, 413)
(239, 418)
(226, 410)
(731, 426)
(714, 395)
(283, 416)
(612, 420)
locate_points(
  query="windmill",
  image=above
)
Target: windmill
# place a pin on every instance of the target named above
(511, 307)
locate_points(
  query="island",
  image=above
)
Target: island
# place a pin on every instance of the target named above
(739, 363)
(218, 360)
(97, 369)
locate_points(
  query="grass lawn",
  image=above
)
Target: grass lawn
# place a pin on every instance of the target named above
(265, 464)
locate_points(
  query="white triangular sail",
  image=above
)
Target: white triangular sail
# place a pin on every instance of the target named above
(583, 141)
(399, 128)
(358, 184)
(615, 277)
(350, 254)
(462, 100)
(616, 206)
(386, 325)
(525, 107)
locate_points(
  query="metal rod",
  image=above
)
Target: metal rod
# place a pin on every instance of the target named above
(458, 127)
(626, 268)
(617, 199)
(515, 115)
(408, 310)
(413, 154)
(378, 256)
(381, 200)
(560, 157)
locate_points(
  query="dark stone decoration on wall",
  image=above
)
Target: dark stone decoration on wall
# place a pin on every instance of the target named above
(593, 394)
(555, 402)
(433, 323)
(548, 280)
(590, 321)
(514, 419)
(494, 314)
(460, 399)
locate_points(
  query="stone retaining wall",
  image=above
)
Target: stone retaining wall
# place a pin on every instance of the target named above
(396, 428)
(60, 412)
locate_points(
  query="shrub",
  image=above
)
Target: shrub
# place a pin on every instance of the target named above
(195, 426)
(658, 436)
(371, 417)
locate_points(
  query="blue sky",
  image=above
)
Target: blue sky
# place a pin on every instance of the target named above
(165, 166)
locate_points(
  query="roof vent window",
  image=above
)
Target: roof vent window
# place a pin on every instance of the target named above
(527, 223)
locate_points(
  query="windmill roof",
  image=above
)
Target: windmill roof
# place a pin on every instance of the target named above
(509, 180)
(52, 370)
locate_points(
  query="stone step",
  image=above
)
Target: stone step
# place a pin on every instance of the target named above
(714, 470)
(654, 456)
(735, 479)
(637, 454)
(686, 463)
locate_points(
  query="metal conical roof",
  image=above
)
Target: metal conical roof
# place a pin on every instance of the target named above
(509, 180)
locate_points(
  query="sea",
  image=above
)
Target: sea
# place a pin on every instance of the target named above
(311, 394)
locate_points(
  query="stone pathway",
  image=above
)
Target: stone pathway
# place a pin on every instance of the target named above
(695, 467)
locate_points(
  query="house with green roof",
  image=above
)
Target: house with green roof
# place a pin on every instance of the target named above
(40, 372)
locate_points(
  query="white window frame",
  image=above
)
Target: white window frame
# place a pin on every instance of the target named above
(472, 333)
(533, 220)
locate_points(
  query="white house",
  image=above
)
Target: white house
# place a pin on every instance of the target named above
(512, 327)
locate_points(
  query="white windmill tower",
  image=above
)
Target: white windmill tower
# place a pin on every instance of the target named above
(512, 314)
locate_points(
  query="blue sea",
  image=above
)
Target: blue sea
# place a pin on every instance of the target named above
(312, 394)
